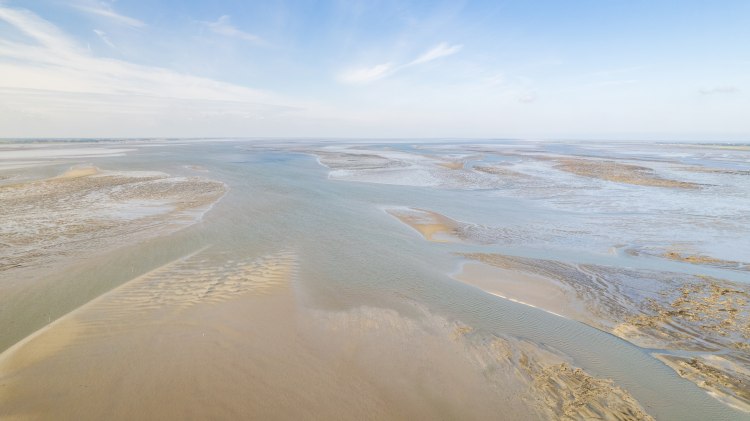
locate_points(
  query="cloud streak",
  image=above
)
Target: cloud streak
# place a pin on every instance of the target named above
(55, 79)
(439, 51)
(366, 75)
(105, 39)
(104, 10)
(223, 26)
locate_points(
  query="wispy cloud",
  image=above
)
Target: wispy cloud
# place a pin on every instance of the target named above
(439, 51)
(365, 75)
(105, 10)
(105, 39)
(719, 90)
(56, 79)
(368, 74)
(224, 27)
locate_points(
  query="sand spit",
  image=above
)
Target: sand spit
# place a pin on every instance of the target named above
(86, 209)
(499, 170)
(452, 165)
(484, 374)
(696, 318)
(432, 225)
(713, 170)
(404, 168)
(439, 228)
(724, 379)
(689, 257)
(619, 173)
(356, 161)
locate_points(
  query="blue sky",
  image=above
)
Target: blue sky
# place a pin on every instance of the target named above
(606, 69)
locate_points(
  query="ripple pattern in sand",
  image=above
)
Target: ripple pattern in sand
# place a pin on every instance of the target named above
(205, 278)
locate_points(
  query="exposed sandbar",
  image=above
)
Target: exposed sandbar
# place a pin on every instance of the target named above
(620, 173)
(701, 316)
(86, 209)
(432, 225)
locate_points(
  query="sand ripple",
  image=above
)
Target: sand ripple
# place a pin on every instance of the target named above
(87, 209)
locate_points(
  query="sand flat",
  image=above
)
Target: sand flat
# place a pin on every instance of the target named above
(188, 340)
(698, 314)
(432, 225)
(526, 288)
(620, 173)
(83, 208)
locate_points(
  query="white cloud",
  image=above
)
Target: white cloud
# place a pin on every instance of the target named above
(223, 27)
(60, 82)
(365, 75)
(439, 51)
(42, 31)
(105, 39)
(369, 74)
(104, 10)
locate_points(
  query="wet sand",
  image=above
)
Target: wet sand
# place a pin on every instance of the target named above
(86, 209)
(193, 339)
(704, 322)
(522, 287)
(52, 224)
(272, 316)
(433, 226)
(690, 257)
(620, 173)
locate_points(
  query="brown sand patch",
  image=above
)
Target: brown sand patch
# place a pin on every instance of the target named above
(75, 172)
(653, 309)
(559, 390)
(205, 348)
(498, 170)
(432, 225)
(619, 173)
(575, 395)
(165, 345)
(520, 379)
(726, 380)
(674, 253)
(713, 170)
(699, 259)
(452, 165)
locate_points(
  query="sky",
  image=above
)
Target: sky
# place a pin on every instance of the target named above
(577, 69)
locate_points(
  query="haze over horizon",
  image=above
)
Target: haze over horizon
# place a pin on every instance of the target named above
(616, 70)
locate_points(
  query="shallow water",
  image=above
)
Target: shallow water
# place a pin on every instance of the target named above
(350, 253)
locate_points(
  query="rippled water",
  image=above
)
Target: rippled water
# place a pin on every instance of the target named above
(350, 253)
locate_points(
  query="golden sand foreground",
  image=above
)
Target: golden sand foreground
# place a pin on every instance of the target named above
(200, 338)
